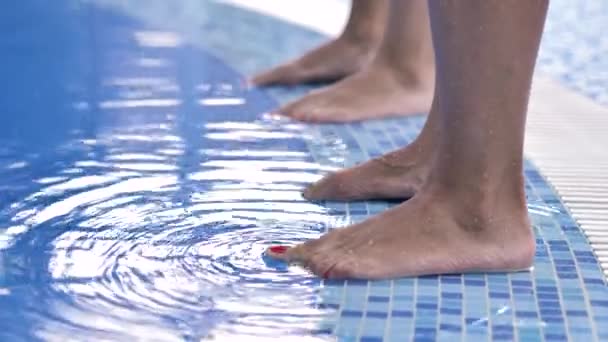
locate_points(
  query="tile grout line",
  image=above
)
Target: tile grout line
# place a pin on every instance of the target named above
(488, 307)
(463, 306)
(341, 308)
(364, 316)
(414, 311)
(389, 314)
(512, 304)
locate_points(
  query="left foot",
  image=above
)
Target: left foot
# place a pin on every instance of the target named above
(395, 175)
(430, 234)
(332, 61)
(376, 92)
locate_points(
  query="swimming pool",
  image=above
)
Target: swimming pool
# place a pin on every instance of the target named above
(141, 181)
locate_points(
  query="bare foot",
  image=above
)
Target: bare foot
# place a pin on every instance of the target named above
(430, 234)
(332, 61)
(396, 175)
(378, 91)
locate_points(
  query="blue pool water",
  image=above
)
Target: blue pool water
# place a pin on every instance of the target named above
(141, 181)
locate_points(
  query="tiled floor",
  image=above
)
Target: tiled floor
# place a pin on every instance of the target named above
(564, 297)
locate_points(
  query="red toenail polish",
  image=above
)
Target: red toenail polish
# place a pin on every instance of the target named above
(326, 274)
(278, 249)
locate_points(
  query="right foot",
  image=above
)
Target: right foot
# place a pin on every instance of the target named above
(437, 232)
(396, 175)
(332, 61)
(376, 92)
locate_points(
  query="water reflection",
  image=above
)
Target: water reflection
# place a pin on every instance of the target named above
(149, 219)
(135, 244)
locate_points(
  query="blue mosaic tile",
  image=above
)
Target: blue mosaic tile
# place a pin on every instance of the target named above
(371, 339)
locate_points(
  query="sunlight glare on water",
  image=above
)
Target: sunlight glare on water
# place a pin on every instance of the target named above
(148, 234)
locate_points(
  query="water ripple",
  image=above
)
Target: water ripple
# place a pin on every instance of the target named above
(170, 243)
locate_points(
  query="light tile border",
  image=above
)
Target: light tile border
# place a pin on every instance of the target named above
(567, 139)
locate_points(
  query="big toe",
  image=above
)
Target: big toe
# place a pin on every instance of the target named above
(345, 185)
(283, 74)
(287, 253)
(304, 109)
(330, 187)
(318, 111)
(345, 269)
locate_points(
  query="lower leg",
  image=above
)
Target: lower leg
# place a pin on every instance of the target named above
(401, 173)
(399, 81)
(338, 58)
(485, 66)
(471, 213)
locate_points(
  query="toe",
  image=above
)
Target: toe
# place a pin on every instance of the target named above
(312, 192)
(321, 264)
(283, 74)
(323, 105)
(303, 109)
(295, 254)
(342, 270)
(345, 185)
(331, 107)
(290, 108)
(317, 112)
(327, 188)
(278, 252)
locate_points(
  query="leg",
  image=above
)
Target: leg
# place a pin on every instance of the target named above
(399, 81)
(399, 174)
(339, 58)
(471, 213)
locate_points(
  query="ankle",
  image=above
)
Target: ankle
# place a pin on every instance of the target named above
(480, 208)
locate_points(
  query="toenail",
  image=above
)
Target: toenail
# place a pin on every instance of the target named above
(278, 249)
